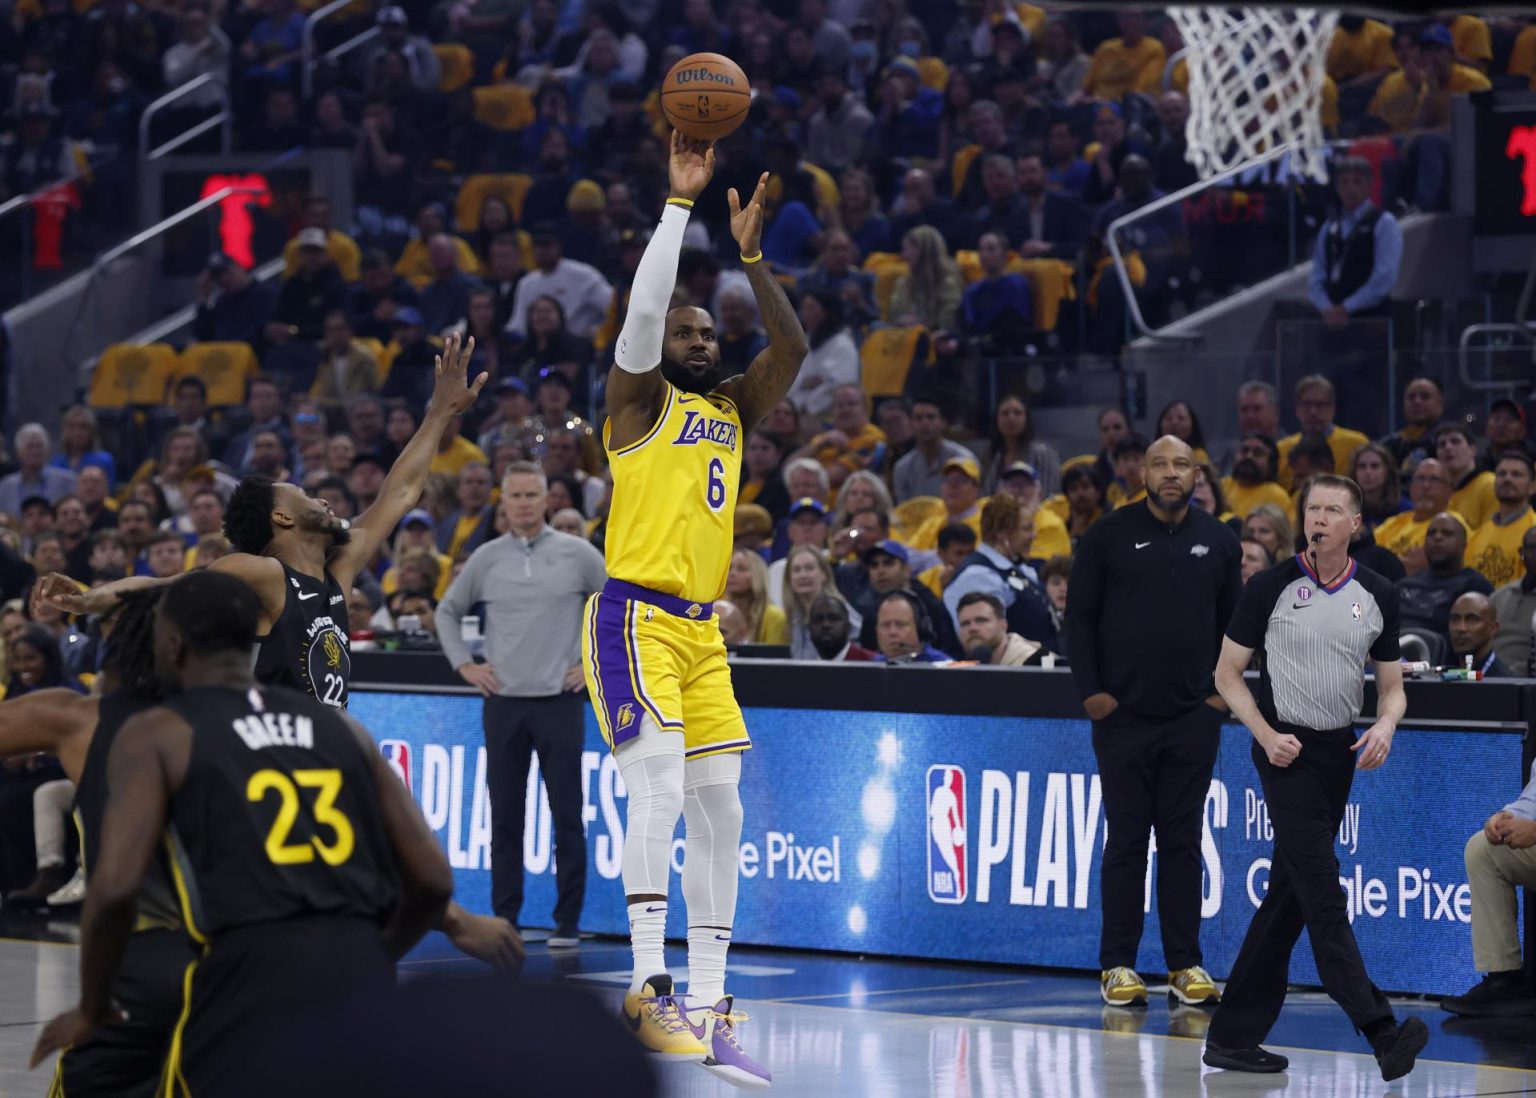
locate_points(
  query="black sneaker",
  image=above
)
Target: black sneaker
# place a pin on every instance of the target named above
(565, 937)
(1256, 1060)
(1398, 1049)
(1498, 995)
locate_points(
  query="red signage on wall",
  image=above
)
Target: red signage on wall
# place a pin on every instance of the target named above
(235, 227)
(1522, 147)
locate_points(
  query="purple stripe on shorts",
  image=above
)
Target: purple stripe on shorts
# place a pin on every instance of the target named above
(611, 655)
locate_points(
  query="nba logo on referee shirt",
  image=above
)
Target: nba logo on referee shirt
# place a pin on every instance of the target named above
(397, 753)
(947, 882)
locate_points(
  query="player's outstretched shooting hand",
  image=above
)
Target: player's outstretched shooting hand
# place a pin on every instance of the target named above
(691, 166)
(450, 390)
(747, 223)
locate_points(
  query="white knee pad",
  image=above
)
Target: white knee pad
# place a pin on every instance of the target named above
(712, 810)
(652, 768)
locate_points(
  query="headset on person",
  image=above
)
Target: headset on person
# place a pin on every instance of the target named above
(926, 634)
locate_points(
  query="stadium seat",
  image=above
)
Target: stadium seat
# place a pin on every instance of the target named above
(504, 106)
(933, 73)
(511, 188)
(132, 374)
(386, 358)
(887, 357)
(962, 164)
(1050, 279)
(910, 514)
(887, 267)
(1429, 647)
(457, 64)
(223, 367)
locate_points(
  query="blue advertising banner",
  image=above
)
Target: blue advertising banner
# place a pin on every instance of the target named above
(979, 838)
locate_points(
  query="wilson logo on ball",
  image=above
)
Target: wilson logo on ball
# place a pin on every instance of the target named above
(703, 76)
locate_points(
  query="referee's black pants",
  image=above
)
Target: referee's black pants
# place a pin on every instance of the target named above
(514, 729)
(1306, 803)
(1154, 776)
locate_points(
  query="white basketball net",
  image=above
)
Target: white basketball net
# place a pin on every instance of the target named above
(1255, 84)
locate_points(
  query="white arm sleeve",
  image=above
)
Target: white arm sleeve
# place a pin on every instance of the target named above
(639, 347)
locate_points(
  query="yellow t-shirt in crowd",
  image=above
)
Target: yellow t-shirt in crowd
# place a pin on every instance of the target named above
(926, 536)
(1401, 534)
(774, 628)
(1117, 498)
(1368, 49)
(461, 533)
(933, 579)
(1242, 499)
(1341, 440)
(1522, 57)
(1470, 36)
(1051, 537)
(1494, 550)
(459, 454)
(415, 264)
(857, 455)
(1475, 500)
(342, 249)
(1396, 103)
(1117, 68)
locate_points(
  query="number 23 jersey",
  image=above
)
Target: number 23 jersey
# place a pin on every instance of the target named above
(670, 522)
(279, 815)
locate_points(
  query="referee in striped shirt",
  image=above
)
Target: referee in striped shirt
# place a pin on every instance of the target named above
(1315, 618)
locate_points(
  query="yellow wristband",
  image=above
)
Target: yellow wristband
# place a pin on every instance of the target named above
(685, 203)
(752, 258)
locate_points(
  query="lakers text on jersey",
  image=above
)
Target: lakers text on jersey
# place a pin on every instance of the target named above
(674, 499)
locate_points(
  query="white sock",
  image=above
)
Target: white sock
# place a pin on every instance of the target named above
(647, 938)
(706, 964)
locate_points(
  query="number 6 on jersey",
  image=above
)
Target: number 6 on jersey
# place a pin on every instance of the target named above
(714, 493)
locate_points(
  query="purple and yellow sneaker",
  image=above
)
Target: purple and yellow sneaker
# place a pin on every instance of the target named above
(656, 1016)
(726, 1060)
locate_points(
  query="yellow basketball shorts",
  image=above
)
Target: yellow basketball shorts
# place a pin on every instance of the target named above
(645, 653)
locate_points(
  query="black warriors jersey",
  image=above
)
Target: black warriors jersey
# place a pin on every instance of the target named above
(279, 816)
(308, 647)
(157, 899)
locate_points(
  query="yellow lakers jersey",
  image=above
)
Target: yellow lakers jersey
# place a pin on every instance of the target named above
(674, 498)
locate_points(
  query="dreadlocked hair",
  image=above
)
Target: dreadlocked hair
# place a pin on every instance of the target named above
(130, 649)
(248, 518)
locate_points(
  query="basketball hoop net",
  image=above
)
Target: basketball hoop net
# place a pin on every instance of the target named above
(1255, 84)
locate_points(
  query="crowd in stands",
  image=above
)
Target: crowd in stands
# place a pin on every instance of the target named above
(1015, 133)
(942, 182)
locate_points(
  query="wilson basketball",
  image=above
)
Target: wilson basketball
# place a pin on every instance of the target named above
(705, 96)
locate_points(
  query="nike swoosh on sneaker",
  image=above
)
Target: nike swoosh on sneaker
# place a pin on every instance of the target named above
(696, 1030)
(634, 1023)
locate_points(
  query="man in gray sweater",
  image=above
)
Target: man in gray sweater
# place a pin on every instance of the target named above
(533, 583)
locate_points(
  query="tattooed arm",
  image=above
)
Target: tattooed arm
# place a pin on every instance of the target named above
(773, 371)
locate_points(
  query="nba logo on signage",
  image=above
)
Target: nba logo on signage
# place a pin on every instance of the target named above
(947, 883)
(397, 753)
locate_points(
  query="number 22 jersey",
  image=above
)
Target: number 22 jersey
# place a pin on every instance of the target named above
(670, 522)
(308, 646)
(279, 815)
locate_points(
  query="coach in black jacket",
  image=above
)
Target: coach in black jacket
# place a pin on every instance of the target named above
(1153, 586)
